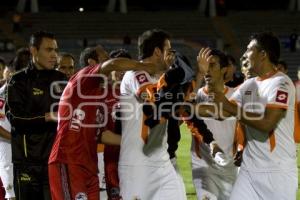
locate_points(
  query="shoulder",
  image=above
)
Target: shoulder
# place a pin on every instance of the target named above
(19, 75)
(58, 75)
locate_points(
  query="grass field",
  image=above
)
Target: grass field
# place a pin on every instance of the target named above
(184, 162)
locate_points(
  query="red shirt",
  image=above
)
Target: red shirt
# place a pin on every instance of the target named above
(82, 113)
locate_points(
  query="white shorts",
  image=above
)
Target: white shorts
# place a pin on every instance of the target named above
(211, 183)
(6, 168)
(150, 183)
(7, 177)
(265, 185)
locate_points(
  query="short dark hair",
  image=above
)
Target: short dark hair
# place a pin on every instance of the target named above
(37, 37)
(223, 59)
(268, 42)
(65, 54)
(149, 40)
(88, 53)
(120, 53)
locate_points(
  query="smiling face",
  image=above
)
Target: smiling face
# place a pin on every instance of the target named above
(45, 57)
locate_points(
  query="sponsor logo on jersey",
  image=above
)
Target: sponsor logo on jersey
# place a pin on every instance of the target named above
(81, 196)
(142, 78)
(25, 177)
(77, 118)
(281, 96)
(37, 91)
(2, 103)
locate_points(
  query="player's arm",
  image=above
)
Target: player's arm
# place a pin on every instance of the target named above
(4, 133)
(110, 138)
(264, 122)
(125, 64)
(203, 59)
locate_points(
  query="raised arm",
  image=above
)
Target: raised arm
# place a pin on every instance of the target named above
(125, 64)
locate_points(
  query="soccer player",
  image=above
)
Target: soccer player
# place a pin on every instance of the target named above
(66, 64)
(213, 181)
(142, 176)
(82, 112)
(6, 166)
(265, 105)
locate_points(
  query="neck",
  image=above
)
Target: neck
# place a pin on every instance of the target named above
(266, 70)
(151, 59)
(36, 65)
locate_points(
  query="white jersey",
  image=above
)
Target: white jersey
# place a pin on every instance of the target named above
(134, 132)
(223, 131)
(297, 85)
(5, 146)
(210, 180)
(275, 151)
(6, 166)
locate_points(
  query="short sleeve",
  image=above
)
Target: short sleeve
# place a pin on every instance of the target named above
(279, 94)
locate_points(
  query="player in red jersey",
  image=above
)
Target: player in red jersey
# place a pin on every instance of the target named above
(82, 112)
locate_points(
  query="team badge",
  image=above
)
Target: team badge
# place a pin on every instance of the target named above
(141, 78)
(81, 196)
(281, 96)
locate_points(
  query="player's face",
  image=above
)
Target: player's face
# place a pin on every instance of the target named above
(166, 51)
(252, 57)
(46, 56)
(213, 74)
(66, 66)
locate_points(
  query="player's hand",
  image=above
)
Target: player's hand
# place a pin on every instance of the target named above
(203, 60)
(238, 158)
(51, 117)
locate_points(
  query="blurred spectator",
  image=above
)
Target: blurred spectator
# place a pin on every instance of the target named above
(293, 40)
(282, 66)
(34, 7)
(294, 5)
(22, 58)
(66, 64)
(208, 7)
(16, 23)
(112, 5)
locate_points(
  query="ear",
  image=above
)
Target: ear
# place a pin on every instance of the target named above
(92, 61)
(33, 50)
(225, 73)
(264, 54)
(157, 52)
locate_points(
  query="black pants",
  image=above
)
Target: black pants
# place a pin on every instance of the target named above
(31, 182)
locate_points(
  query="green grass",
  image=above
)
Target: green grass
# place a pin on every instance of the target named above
(184, 163)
